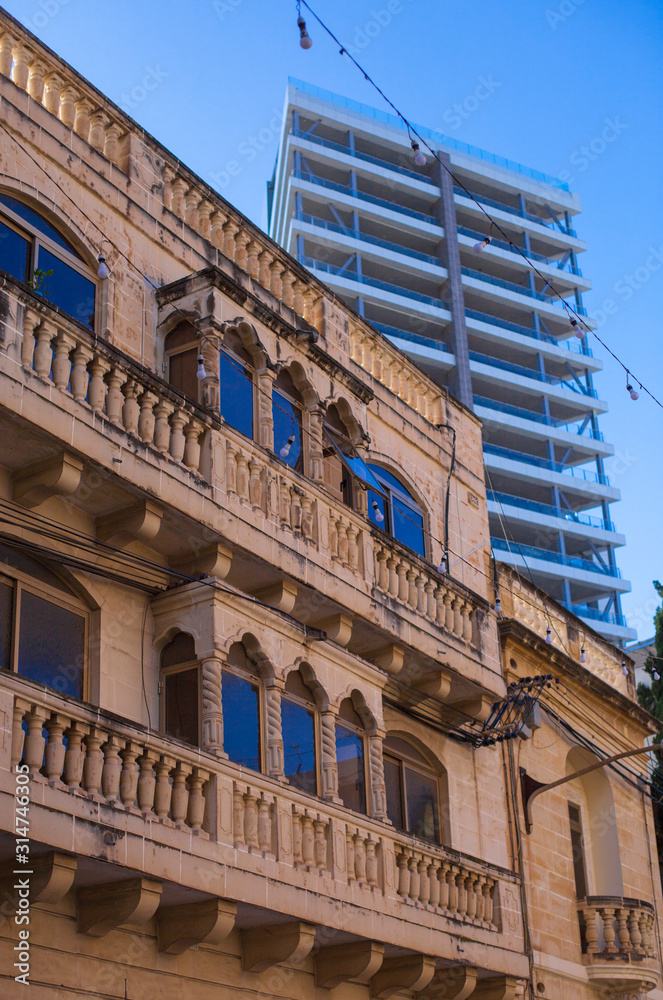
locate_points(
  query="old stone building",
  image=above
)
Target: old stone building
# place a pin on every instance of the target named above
(248, 626)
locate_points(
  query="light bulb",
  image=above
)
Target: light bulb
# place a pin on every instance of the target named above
(577, 329)
(379, 516)
(102, 270)
(583, 658)
(285, 450)
(442, 568)
(548, 635)
(419, 157)
(632, 392)
(201, 373)
(480, 247)
(624, 668)
(656, 675)
(304, 37)
(498, 606)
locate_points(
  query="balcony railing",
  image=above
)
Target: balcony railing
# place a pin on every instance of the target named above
(518, 456)
(86, 758)
(582, 611)
(539, 418)
(548, 223)
(363, 279)
(538, 376)
(328, 144)
(503, 245)
(534, 552)
(574, 346)
(313, 220)
(618, 933)
(305, 175)
(550, 510)
(510, 286)
(414, 338)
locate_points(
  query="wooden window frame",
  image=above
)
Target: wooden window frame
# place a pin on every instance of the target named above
(295, 699)
(404, 761)
(254, 393)
(363, 735)
(243, 675)
(178, 668)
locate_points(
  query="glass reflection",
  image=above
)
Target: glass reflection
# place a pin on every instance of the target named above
(298, 725)
(241, 720)
(351, 771)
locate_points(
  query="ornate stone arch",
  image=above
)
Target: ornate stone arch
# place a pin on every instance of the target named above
(254, 653)
(356, 434)
(248, 337)
(311, 681)
(352, 693)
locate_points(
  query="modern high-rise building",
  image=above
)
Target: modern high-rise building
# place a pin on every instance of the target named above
(398, 242)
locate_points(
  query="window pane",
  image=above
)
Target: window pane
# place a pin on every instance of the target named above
(351, 775)
(29, 215)
(182, 369)
(6, 615)
(51, 646)
(408, 527)
(392, 779)
(182, 705)
(13, 253)
(422, 809)
(241, 721)
(299, 746)
(67, 289)
(287, 422)
(383, 508)
(578, 852)
(236, 391)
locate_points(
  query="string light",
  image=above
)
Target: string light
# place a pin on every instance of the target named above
(498, 606)
(412, 132)
(548, 635)
(442, 568)
(379, 516)
(583, 658)
(102, 270)
(419, 157)
(480, 247)
(630, 390)
(285, 450)
(578, 329)
(624, 667)
(201, 373)
(304, 38)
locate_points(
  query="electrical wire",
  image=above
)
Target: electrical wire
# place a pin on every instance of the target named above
(411, 129)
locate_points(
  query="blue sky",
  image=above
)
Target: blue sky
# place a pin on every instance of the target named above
(575, 89)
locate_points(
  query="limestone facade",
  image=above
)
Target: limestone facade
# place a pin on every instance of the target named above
(229, 684)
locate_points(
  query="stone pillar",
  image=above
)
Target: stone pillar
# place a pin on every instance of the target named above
(265, 433)
(212, 716)
(329, 762)
(274, 742)
(376, 776)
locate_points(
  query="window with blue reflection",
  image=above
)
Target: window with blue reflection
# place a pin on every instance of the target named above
(351, 768)
(65, 288)
(298, 726)
(287, 430)
(396, 512)
(412, 790)
(236, 393)
(14, 253)
(241, 720)
(51, 645)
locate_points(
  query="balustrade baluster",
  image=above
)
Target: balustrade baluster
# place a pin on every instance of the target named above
(644, 922)
(307, 517)
(146, 420)
(216, 228)
(129, 776)
(19, 74)
(308, 841)
(176, 447)
(353, 550)
(295, 508)
(360, 857)
(18, 733)
(275, 283)
(192, 433)
(371, 862)
(229, 229)
(342, 535)
(242, 475)
(147, 781)
(622, 932)
(251, 819)
(467, 622)
(413, 865)
(130, 407)
(265, 825)
(30, 322)
(55, 749)
(196, 809)
(449, 611)
(297, 837)
(35, 742)
(634, 928)
(68, 97)
(424, 882)
(252, 263)
(264, 272)
(470, 883)
(403, 875)
(82, 120)
(111, 770)
(94, 761)
(392, 566)
(431, 606)
(350, 854)
(607, 915)
(434, 882)
(163, 788)
(444, 885)
(320, 843)
(97, 137)
(61, 363)
(43, 354)
(238, 817)
(488, 898)
(6, 45)
(179, 802)
(162, 412)
(403, 583)
(480, 912)
(79, 377)
(453, 889)
(74, 757)
(241, 254)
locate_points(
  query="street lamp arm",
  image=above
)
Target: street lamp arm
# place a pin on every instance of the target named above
(531, 788)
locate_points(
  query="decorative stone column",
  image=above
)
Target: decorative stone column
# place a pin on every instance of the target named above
(210, 387)
(315, 446)
(275, 758)
(329, 762)
(376, 774)
(212, 717)
(265, 416)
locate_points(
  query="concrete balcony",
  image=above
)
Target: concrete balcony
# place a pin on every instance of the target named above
(110, 799)
(585, 483)
(298, 542)
(498, 416)
(619, 944)
(555, 566)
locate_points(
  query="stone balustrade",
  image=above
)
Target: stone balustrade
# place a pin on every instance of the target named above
(82, 755)
(113, 388)
(616, 930)
(450, 888)
(411, 581)
(64, 95)
(386, 364)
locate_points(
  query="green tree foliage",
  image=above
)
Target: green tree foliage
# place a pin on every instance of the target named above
(651, 698)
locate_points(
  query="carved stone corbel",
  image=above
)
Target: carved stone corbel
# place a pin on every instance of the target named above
(138, 523)
(338, 963)
(338, 628)
(281, 595)
(403, 972)
(208, 921)
(52, 876)
(263, 947)
(213, 560)
(390, 658)
(496, 988)
(38, 482)
(102, 908)
(456, 982)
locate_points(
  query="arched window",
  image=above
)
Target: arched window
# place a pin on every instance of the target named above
(43, 625)
(593, 829)
(351, 757)
(241, 709)
(34, 252)
(336, 444)
(397, 511)
(299, 729)
(413, 800)
(182, 347)
(236, 380)
(287, 416)
(180, 673)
